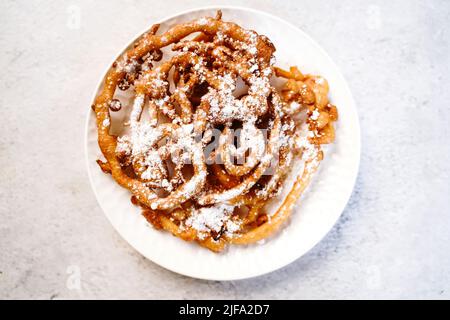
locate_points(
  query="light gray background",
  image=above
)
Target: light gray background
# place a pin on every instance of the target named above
(393, 239)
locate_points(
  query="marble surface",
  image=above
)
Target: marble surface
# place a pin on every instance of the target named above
(393, 239)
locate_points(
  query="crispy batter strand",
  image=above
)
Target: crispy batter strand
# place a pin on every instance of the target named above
(187, 102)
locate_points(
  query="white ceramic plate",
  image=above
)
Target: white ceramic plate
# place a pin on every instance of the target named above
(320, 207)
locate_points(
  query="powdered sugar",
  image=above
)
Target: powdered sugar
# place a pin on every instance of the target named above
(214, 219)
(202, 20)
(106, 122)
(315, 115)
(136, 110)
(309, 150)
(224, 107)
(125, 64)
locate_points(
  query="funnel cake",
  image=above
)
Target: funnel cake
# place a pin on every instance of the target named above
(210, 139)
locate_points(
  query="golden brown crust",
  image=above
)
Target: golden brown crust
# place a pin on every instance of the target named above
(203, 73)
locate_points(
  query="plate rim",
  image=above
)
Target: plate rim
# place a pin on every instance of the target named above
(357, 147)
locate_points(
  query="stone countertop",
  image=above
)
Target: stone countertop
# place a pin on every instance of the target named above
(392, 241)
